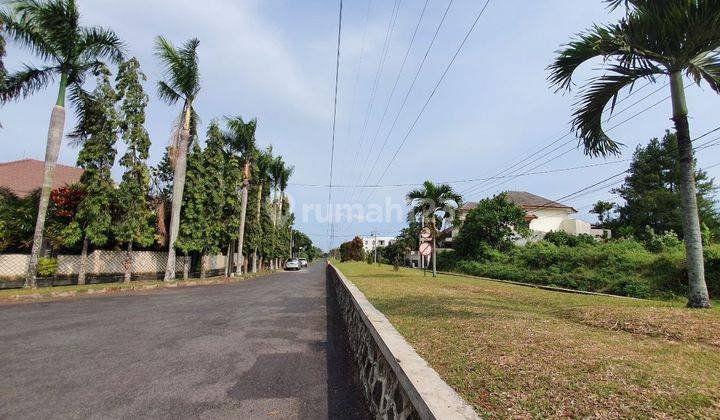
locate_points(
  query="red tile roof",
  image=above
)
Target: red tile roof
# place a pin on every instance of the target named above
(22, 177)
(527, 201)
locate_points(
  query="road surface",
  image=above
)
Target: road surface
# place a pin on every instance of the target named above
(270, 347)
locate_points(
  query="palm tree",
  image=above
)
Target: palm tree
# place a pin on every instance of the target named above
(277, 167)
(240, 138)
(51, 29)
(433, 202)
(284, 179)
(654, 39)
(182, 83)
(262, 175)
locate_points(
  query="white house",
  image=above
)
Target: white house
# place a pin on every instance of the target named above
(544, 216)
(372, 242)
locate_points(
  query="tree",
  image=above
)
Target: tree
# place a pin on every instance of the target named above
(182, 83)
(202, 228)
(285, 176)
(51, 29)
(494, 224)
(651, 194)
(352, 250)
(97, 131)
(133, 193)
(17, 220)
(240, 139)
(431, 202)
(654, 39)
(262, 175)
(603, 210)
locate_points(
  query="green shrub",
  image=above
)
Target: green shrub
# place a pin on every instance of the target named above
(47, 267)
(562, 238)
(662, 242)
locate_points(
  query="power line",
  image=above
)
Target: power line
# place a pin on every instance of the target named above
(459, 181)
(412, 86)
(334, 126)
(432, 94)
(644, 110)
(397, 80)
(378, 76)
(477, 187)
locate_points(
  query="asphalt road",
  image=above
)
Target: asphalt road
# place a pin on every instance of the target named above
(270, 347)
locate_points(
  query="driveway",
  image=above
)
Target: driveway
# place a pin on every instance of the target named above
(270, 347)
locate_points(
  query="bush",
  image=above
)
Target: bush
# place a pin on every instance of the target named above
(663, 242)
(47, 267)
(562, 238)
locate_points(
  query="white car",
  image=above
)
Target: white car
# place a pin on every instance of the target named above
(292, 264)
(303, 262)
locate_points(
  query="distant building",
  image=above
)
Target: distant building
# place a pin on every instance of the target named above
(372, 242)
(543, 214)
(22, 177)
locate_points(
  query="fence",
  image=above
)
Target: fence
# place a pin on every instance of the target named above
(102, 266)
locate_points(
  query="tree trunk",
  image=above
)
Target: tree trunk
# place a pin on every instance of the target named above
(228, 260)
(203, 266)
(128, 263)
(83, 262)
(434, 257)
(186, 266)
(245, 263)
(178, 189)
(243, 213)
(255, 261)
(54, 139)
(698, 293)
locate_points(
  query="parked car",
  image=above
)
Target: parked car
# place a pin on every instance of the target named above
(303, 262)
(292, 264)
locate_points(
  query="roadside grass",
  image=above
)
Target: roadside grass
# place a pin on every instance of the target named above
(45, 292)
(514, 351)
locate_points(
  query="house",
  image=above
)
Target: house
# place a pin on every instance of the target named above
(372, 242)
(543, 214)
(22, 177)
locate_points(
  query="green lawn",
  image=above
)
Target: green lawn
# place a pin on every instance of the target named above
(514, 351)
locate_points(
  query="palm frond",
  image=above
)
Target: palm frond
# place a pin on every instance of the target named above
(167, 94)
(600, 41)
(23, 31)
(26, 82)
(595, 98)
(98, 43)
(706, 67)
(180, 66)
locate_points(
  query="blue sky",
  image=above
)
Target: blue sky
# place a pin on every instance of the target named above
(275, 60)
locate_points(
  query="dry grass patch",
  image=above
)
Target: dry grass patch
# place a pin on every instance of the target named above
(513, 351)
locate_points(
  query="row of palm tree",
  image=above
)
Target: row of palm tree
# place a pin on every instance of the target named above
(51, 30)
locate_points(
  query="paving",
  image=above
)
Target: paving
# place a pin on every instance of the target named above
(270, 347)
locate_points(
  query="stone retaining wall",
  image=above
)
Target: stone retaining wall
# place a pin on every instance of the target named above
(397, 382)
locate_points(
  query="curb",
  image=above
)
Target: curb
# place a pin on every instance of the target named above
(386, 360)
(110, 289)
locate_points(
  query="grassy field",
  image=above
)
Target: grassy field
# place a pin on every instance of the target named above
(514, 351)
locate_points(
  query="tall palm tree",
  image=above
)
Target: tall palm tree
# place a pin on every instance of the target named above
(240, 139)
(182, 83)
(284, 179)
(433, 202)
(263, 165)
(51, 29)
(655, 39)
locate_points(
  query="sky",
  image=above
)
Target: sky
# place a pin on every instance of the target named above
(275, 60)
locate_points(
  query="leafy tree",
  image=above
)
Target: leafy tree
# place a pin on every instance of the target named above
(352, 250)
(17, 220)
(493, 225)
(161, 177)
(134, 214)
(261, 229)
(603, 209)
(431, 202)
(96, 130)
(51, 30)
(240, 140)
(651, 192)
(202, 224)
(182, 74)
(653, 40)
